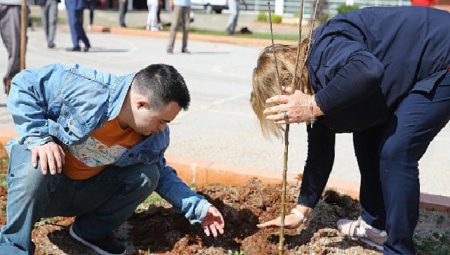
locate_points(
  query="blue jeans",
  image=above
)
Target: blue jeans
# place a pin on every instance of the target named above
(101, 203)
(418, 119)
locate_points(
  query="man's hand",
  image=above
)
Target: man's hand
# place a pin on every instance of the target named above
(50, 156)
(213, 222)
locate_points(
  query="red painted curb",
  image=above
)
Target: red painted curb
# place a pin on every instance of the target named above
(192, 36)
(200, 172)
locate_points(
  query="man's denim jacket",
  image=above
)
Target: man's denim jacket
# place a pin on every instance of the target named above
(67, 104)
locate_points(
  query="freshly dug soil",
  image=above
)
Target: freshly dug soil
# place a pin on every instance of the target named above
(160, 230)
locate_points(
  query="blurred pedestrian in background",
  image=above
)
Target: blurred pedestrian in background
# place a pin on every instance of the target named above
(75, 13)
(180, 15)
(152, 19)
(10, 16)
(90, 4)
(233, 7)
(49, 18)
(122, 12)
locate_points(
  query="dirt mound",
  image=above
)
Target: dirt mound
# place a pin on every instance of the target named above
(161, 230)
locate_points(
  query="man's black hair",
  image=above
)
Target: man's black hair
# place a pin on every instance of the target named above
(162, 84)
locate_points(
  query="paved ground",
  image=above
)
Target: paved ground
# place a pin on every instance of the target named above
(220, 125)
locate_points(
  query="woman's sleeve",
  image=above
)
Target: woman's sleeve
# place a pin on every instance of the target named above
(318, 165)
(359, 76)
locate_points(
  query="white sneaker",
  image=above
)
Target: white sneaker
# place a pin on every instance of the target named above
(154, 29)
(360, 230)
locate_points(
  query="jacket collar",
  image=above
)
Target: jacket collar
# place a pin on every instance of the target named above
(119, 89)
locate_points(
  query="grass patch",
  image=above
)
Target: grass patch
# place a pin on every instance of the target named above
(4, 161)
(236, 253)
(3, 179)
(203, 31)
(153, 199)
(438, 245)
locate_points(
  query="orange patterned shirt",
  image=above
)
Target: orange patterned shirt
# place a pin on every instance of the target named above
(103, 147)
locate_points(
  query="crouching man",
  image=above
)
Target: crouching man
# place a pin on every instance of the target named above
(92, 146)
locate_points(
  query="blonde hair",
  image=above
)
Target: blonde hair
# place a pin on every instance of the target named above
(265, 79)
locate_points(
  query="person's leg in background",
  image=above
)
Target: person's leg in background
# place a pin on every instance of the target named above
(123, 7)
(45, 19)
(185, 20)
(233, 6)
(417, 120)
(149, 15)
(91, 5)
(176, 15)
(72, 16)
(10, 33)
(158, 14)
(52, 15)
(152, 19)
(80, 30)
(153, 13)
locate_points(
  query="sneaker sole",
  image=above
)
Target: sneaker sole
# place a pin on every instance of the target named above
(369, 242)
(93, 247)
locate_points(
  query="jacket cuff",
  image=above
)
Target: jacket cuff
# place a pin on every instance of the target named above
(197, 207)
(32, 141)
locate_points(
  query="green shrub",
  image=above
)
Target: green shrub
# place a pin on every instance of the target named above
(277, 19)
(346, 8)
(324, 18)
(261, 16)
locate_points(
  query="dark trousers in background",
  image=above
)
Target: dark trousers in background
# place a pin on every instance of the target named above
(180, 16)
(122, 12)
(417, 120)
(10, 33)
(76, 28)
(90, 4)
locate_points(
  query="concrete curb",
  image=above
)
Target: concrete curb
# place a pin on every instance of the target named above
(192, 36)
(200, 172)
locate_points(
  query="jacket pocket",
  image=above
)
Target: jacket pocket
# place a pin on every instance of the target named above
(428, 84)
(70, 124)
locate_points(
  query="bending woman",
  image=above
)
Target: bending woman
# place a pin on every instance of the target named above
(382, 74)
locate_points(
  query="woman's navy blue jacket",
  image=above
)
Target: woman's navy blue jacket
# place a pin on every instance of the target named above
(361, 65)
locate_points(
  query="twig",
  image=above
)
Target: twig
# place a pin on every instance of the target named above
(286, 142)
(273, 46)
(286, 146)
(23, 33)
(310, 40)
(300, 21)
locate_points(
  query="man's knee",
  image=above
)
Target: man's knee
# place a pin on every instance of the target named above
(22, 176)
(152, 177)
(143, 182)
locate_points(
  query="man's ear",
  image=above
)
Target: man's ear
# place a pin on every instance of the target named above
(142, 104)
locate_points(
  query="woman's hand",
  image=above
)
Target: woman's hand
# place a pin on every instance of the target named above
(294, 108)
(291, 220)
(213, 222)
